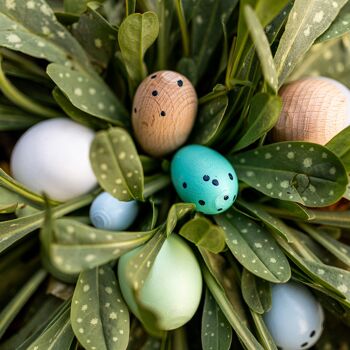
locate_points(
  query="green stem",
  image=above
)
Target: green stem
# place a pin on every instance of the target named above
(15, 305)
(211, 96)
(183, 28)
(14, 95)
(161, 41)
(155, 183)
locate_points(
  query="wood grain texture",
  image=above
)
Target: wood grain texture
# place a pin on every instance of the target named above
(164, 111)
(314, 110)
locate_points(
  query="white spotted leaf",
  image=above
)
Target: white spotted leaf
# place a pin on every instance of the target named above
(176, 213)
(136, 34)
(306, 22)
(88, 93)
(300, 172)
(254, 247)
(204, 233)
(99, 315)
(216, 331)
(79, 247)
(117, 165)
(263, 114)
(256, 292)
(262, 47)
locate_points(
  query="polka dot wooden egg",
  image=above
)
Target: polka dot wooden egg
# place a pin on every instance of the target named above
(314, 110)
(109, 213)
(295, 320)
(164, 111)
(204, 177)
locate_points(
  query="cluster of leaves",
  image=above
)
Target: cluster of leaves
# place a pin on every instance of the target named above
(84, 60)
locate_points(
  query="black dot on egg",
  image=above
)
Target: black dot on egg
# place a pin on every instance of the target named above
(304, 344)
(219, 209)
(226, 198)
(154, 93)
(180, 83)
(135, 110)
(162, 113)
(230, 176)
(184, 185)
(215, 182)
(201, 202)
(154, 76)
(206, 178)
(312, 333)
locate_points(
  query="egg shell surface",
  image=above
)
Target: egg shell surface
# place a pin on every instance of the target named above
(109, 213)
(173, 287)
(164, 111)
(204, 177)
(53, 157)
(295, 320)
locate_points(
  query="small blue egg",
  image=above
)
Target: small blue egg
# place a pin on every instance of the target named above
(295, 320)
(204, 177)
(109, 213)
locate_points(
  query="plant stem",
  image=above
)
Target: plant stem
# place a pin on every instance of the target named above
(183, 28)
(19, 99)
(211, 96)
(155, 183)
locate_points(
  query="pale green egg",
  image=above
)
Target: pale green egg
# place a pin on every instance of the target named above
(173, 287)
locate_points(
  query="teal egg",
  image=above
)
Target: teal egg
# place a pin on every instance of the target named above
(204, 177)
(173, 287)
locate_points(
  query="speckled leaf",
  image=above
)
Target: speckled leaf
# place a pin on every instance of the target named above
(340, 25)
(32, 28)
(96, 36)
(204, 233)
(274, 27)
(117, 165)
(12, 118)
(136, 34)
(206, 29)
(99, 316)
(216, 331)
(176, 213)
(57, 336)
(254, 247)
(340, 146)
(263, 114)
(306, 22)
(79, 247)
(256, 292)
(292, 210)
(208, 121)
(77, 7)
(187, 67)
(88, 93)
(301, 172)
(262, 47)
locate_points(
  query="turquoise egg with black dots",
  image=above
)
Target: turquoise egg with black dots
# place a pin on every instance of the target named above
(204, 177)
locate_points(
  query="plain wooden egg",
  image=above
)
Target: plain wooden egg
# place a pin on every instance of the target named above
(164, 111)
(314, 110)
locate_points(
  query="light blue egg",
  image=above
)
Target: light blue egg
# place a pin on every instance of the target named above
(204, 177)
(295, 320)
(109, 213)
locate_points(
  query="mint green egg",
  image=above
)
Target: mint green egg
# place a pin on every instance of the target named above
(204, 177)
(173, 287)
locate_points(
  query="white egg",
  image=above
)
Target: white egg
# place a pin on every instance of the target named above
(53, 157)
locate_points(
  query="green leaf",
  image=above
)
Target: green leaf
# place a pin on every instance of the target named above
(216, 331)
(204, 233)
(206, 31)
(209, 118)
(88, 93)
(301, 172)
(254, 247)
(96, 36)
(306, 22)
(263, 114)
(263, 333)
(176, 213)
(12, 118)
(99, 316)
(136, 34)
(117, 165)
(339, 145)
(339, 27)
(79, 247)
(262, 47)
(34, 30)
(256, 292)
(130, 7)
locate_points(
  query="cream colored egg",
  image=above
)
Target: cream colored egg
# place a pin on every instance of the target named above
(164, 111)
(314, 110)
(53, 157)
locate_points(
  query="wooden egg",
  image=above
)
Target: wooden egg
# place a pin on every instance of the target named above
(314, 109)
(164, 111)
